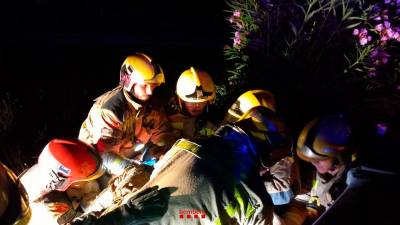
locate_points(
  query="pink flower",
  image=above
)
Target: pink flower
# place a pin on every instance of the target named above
(379, 56)
(372, 73)
(387, 34)
(237, 34)
(379, 27)
(374, 53)
(363, 36)
(236, 13)
(237, 41)
(365, 40)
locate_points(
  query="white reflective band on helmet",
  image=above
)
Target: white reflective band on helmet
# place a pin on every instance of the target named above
(55, 174)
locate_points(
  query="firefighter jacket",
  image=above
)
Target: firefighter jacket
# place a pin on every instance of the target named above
(117, 123)
(212, 181)
(325, 190)
(185, 126)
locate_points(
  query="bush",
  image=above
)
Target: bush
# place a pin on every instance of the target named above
(317, 44)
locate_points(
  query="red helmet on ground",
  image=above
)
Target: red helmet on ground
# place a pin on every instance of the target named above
(62, 163)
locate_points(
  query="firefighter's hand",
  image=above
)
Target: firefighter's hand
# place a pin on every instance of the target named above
(58, 208)
(146, 206)
(148, 199)
(131, 180)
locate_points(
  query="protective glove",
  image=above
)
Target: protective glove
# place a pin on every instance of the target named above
(133, 178)
(147, 205)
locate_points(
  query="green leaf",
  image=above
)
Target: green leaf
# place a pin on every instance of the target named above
(355, 18)
(352, 25)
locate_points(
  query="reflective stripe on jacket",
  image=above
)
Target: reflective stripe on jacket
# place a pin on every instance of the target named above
(324, 192)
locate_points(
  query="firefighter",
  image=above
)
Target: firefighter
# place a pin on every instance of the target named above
(188, 111)
(279, 172)
(215, 180)
(373, 180)
(128, 120)
(15, 208)
(325, 143)
(14, 202)
(62, 185)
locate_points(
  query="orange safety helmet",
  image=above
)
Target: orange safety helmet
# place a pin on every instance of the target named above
(140, 69)
(195, 86)
(62, 163)
(325, 137)
(247, 101)
(14, 202)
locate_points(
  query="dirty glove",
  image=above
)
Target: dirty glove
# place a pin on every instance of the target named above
(132, 179)
(148, 205)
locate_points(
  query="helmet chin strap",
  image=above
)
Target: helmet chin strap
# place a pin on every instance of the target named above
(132, 95)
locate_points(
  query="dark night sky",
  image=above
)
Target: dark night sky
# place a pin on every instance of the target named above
(56, 56)
(45, 34)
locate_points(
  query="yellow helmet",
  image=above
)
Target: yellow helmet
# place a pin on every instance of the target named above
(14, 203)
(247, 101)
(140, 69)
(325, 137)
(195, 86)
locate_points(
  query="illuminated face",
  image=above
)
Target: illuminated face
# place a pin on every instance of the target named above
(326, 166)
(195, 109)
(143, 91)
